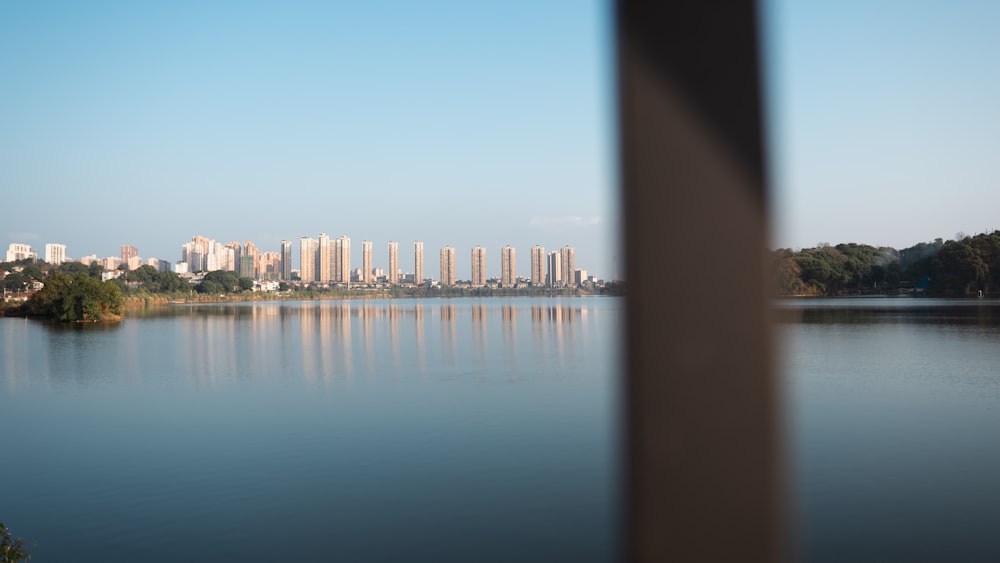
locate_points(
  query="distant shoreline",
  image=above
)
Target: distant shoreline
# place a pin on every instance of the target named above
(135, 302)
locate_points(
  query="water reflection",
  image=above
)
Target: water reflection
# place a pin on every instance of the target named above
(211, 345)
(984, 313)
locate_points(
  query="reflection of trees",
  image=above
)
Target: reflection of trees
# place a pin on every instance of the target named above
(986, 314)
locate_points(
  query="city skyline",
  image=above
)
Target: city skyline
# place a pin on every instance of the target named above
(203, 254)
(385, 122)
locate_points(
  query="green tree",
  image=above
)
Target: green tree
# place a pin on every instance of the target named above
(14, 281)
(72, 268)
(168, 282)
(210, 287)
(11, 549)
(77, 298)
(228, 280)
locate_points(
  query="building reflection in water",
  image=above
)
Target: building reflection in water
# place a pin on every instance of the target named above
(479, 335)
(308, 337)
(220, 344)
(418, 325)
(367, 312)
(508, 316)
(448, 344)
(394, 336)
(342, 337)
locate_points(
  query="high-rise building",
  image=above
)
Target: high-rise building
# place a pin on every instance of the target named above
(230, 253)
(537, 266)
(250, 249)
(448, 265)
(392, 276)
(324, 253)
(508, 266)
(55, 253)
(246, 266)
(342, 260)
(286, 260)
(478, 266)
(568, 267)
(270, 265)
(307, 259)
(196, 259)
(18, 251)
(128, 252)
(554, 269)
(418, 262)
(367, 276)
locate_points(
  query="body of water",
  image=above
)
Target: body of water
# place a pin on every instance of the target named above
(468, 430)
(894, 428)
(397, 430)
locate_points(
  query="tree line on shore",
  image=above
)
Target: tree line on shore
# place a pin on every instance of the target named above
(954, 268)
(74, 292)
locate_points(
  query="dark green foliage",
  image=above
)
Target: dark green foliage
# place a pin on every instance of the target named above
(11, 549)
(74, 268)
(229, 281)
(210, 287)
(77, 298)
(956, 268)
(14, 281)
(967, 266)
(170, 282)
(155, 281)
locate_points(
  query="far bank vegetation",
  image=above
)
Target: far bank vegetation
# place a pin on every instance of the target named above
(954, 268)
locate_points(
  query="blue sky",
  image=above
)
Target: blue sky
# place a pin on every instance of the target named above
(884, 120)
(456, 123)
(462, 123)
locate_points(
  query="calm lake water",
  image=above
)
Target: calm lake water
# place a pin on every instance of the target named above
(479, 430)
(894, 412)
(434, 430)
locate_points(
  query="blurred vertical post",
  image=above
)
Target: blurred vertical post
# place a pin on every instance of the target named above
(703, 461)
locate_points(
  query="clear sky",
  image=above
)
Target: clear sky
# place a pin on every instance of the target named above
(884, 120)
(451, 122)
(462, 123)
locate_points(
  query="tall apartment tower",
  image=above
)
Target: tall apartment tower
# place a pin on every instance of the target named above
(568, 266)
(537, 266)
(19, 251)
(128, 252)
(392, 276)
(366, 262)
(478, 266)
(342, 260)
(250, 249)
(286, 260)
(508, 266)
(448, 265)
(307, 259)
(55, 253)
(554, 269)
(323, 252)
(418, 262)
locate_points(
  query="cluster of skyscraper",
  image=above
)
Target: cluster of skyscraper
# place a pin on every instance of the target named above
(327, 260)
